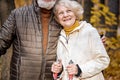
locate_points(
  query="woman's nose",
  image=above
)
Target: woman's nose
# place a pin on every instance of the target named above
(65, 14)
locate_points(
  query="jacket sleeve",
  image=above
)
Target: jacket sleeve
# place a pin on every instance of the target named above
(6, 33)
(100, 60)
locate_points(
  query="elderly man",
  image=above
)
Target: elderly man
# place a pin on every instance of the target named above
(33, 33)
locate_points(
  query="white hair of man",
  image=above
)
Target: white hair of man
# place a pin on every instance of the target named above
(46, 4)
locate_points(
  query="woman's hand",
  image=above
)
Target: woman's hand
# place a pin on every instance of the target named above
(72, 69)
(56, 67)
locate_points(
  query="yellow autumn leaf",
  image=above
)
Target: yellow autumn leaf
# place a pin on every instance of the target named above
(107, 18)
(108, 23)
(105, 9)
(95, 1)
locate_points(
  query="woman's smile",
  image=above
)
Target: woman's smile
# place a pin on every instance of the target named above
(65, 16)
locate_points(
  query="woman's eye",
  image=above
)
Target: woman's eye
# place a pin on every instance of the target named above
(60, 13)
(69, 11)
(63, 12)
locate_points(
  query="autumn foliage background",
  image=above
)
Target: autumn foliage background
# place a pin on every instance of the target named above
(101, 15)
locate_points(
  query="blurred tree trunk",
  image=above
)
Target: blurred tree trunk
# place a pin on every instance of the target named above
(114, 7)
(87, 10)
(5, 8)
(87, 4)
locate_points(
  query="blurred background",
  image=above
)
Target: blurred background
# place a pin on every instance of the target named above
(102, 14)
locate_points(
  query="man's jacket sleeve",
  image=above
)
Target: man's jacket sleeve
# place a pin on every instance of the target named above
(6, 33)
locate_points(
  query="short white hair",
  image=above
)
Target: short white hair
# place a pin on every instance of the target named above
(71, 4)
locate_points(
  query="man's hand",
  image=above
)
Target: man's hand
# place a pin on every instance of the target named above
(103, 38)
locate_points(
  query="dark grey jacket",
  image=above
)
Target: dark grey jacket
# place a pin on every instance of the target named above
(23, 30)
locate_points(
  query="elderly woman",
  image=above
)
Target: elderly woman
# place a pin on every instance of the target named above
(80, 51)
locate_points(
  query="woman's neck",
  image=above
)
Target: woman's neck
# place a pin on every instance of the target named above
(69, 29)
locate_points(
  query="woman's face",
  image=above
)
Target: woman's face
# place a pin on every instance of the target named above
(65, 16)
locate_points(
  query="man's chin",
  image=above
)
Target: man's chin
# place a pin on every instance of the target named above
(47, 8)
(46, 5)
